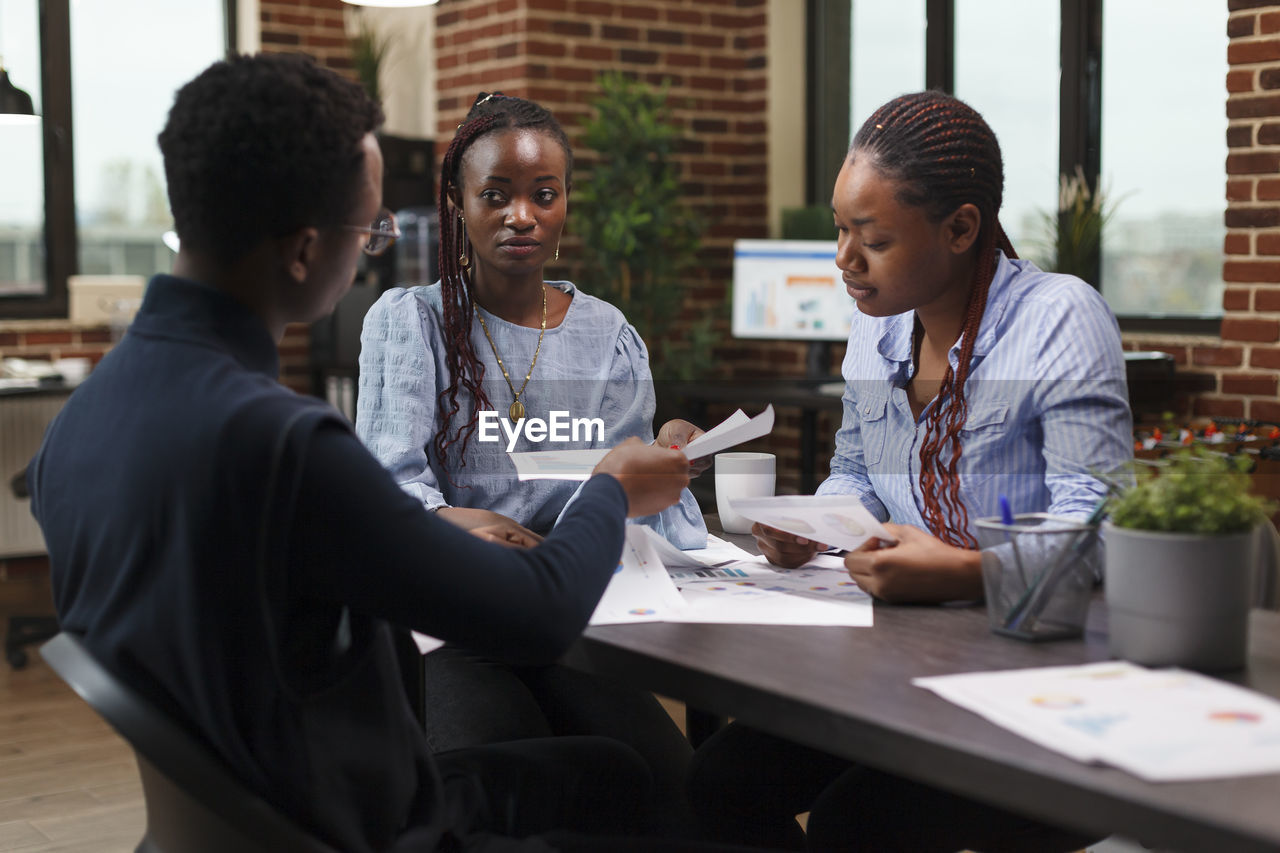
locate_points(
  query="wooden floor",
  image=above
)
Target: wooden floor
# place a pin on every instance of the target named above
(68, 783)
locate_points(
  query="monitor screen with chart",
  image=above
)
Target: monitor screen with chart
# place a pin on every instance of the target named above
(789, 289)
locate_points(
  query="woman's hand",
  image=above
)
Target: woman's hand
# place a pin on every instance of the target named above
(490, 526)
(784, 549)
(920, 568)
(652, 476)
(677, 434)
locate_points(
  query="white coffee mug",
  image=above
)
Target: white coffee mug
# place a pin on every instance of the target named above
(742, 475)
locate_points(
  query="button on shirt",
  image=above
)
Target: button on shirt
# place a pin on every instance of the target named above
(1047, 404)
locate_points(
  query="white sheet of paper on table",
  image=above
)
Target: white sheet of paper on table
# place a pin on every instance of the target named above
(577, 465)
(840, 521)
(1161, 725)
(818, 593)
(640, 589)
(725, 584)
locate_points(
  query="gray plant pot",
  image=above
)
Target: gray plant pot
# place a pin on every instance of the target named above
(1179, 599)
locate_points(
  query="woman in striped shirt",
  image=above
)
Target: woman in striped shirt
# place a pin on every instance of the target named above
(969, 374)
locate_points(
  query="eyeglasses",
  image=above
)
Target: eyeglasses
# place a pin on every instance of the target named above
(382, 233)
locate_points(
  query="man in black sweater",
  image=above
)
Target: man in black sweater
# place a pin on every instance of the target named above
(230, 549)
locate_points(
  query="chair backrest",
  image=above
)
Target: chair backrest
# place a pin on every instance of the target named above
(194, 802)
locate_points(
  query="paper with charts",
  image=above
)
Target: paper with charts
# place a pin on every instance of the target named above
(840, 521)
(578, 464)
(724, 584)
(1163, 725)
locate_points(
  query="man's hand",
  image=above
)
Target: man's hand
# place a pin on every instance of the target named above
(652, 476)
(677, 434)
(920, 568)
(782, 548)
(490, 526)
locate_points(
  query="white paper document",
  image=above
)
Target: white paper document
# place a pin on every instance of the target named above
(724, 584)
(840, 521)
(578, 464)
(732, 431)
(817, 593)
(1162, 725)
(640, 590)
(557, 464)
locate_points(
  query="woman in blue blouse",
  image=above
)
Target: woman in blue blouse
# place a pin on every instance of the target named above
(969, 374)
(494, 342)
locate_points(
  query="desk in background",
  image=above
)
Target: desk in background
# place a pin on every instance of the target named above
(1150, 378)
(849, 691)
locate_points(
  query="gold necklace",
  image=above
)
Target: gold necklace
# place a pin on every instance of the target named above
(516, 410)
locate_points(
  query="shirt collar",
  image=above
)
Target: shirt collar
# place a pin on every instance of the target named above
(897, 331)
(182, 309)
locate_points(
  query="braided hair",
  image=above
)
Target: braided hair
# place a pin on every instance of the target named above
(491, 113)
(942, 154)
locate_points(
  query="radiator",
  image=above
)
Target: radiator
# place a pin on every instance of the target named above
(23, 419)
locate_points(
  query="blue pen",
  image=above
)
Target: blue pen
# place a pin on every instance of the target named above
(1006, 514)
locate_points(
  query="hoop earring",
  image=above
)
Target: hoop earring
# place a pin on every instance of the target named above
(463, 260)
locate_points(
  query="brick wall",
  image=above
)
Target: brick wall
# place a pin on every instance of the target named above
(316, 28)
(49, 340)
(713, 53)
(1237, 374)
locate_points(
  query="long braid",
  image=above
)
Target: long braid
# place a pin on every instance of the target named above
(489, 114)
(943, 155)
(465, 368)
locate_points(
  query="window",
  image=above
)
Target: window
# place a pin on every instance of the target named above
(1162, 250)
(92, 200)
(887, 54)
(1070, 84)
(1022, 108)
(22, 267)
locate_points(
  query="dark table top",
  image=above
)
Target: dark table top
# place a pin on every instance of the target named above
(848, 690)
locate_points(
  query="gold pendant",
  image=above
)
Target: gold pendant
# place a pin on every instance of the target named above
(516, 410)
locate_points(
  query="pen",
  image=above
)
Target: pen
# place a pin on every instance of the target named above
(1006, 513)
(1037, 594)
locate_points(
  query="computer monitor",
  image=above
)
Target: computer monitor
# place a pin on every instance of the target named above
(789, 290)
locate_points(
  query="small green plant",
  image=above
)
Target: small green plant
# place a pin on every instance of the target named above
(1192, 490)
(639, 238)
(368, 50)
(1074, 230)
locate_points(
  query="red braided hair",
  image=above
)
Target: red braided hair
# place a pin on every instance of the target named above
(490, 113)
(942, 154)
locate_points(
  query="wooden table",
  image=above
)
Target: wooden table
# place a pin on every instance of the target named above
(848, 690)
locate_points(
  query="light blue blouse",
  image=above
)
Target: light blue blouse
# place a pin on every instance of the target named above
(593, 365)
(1048, 404)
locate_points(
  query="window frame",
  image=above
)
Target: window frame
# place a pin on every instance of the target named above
(61, 240)
(1079, 106)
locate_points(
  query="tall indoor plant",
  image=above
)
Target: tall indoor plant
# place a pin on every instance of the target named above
(1073, 232)
(639, 237)
(1180, 561)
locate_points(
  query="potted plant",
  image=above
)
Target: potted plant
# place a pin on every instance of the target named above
(640, 238)
(1180, 561)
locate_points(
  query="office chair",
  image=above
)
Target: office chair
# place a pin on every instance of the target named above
(25, 630)
(194, 803)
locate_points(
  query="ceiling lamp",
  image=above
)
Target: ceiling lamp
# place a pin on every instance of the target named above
(392, 4)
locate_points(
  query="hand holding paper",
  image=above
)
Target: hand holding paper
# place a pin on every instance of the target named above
(578, 464)
(838, 520)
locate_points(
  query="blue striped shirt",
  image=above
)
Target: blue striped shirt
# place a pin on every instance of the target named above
(593, 365)
(1047, 397)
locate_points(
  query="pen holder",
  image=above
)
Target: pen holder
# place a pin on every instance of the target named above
(1038, 573)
